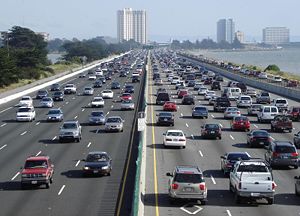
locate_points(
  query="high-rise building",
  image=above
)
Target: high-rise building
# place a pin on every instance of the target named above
(225, 30)
(240, 36)
(276, 35)
(132, 24)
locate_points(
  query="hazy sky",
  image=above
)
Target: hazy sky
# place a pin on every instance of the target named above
(172, 18)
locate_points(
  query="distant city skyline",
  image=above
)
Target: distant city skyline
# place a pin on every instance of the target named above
(172, 19)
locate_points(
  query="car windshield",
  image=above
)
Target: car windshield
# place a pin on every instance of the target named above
(245, 98)
(69, 126)
(237, 156)
(281, 101)
(35, 164)
(97, 158)
(296, 109)
(241, 118)
(98, 99)
(188, 178)
(232, 109)
(265, 94)
(252, 168)
(260, 133)
(106, 91)
(46, 99)
(165, 114)
(97, 114)
(175, 133)
(25, 98)
(212, 126)
(114, 120)
(88, 88)
(25, 109)
(285, 149)
(51, 112)
(69, 85)
(58, 93)
(200, 108)
(42, 92)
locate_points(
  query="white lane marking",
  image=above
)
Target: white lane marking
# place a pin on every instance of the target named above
(89, 104)
(255, 125)
(38, 153)
(272, 138)
(107, 113)
(112, 106)
(220, 125)
(198, 209)
(54, 138)
(37, 123)
(2, 147)
(97, 131)
(23, 133)
(231, 137)
(61, 190)
(76, 165)
(200, 152)
(67, 102)
(187, 124)
(82, 110)
(228, 212)
(75, 117)
(15, 176)
(181, 114)
(73, 98)
(3, 125)
(6, 109)
(192, 136)
(212, 115)
(212, 179)
(89, 144)
(294, 128)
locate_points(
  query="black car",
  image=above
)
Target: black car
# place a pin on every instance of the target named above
(191, 83)
(230, 158)
(55, 87)
(165, 118)
(219, 78)
(258, 138)
(58, 96)
(211, 130)
(135, 79)
(216, 85)
(102, 79)
(156, 76)
(98, 84)
(41, 93)
(221, 104)
(108, 76)
(129, 89)
(97, 163)
(115, 85)
(188, 99)
(123, 74)
(242, 86)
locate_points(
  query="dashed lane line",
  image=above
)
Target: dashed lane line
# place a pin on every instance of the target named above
(37, 123)
(255, 125)
(61, 190)
(186, 124)
(75, 117)
(192, 136)
(212, 179)
(220, 125)
(231, 137)
(23, 133)
(54, 138)
(181, 114)
(89, 144)
(82, 110)
(200, 152)
(228, 212)
(38, 153)
(77, 163)
(212, 115)
(3, 124)
(272, 138)
(15, 176)
(2, 147)
(2, 111)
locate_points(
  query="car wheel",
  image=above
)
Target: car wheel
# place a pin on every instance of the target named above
(203, 202)
(172, 200)
(296, 192)
(48, 185)
(108, 174)
(296, 167)
(290, 131)
(51, 180)
(270, 201)
(237, 198)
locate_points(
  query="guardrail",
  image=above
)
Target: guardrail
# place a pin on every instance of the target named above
(267, 85)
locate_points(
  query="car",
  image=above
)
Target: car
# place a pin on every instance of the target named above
(160, 90)
(263, 75)
(244, 101)
(115, 85)
(114, 123)
(127, 104)
(251, 92)
(165, 118)
(209, 94)
(92, 77)
(297, 140)
(26, 101)
(175, 138)
(97, 102)
(254, 109)
(70, 89)
(267, 113)
(211, 130)
(170, 106)
(281, 123)
(98, 84)
(55, 114)
(126, 96)
(180, 84)
(129, 89)
(107, 94)
(212, 100)
(200, 111)
(202, 90)
(162, 97)
(58, 96)
(277, 79)
(216, 85)
(240, 123)
(258, 138)
(108, 76)
(102, 79)
(282, 153)
(46, 102)
(230, 158)
(88, 90)
(294, 113)
(231, 112)
(297, 185)
(55, 87)
(97, 117)
(221, 104)
(197, 86)
(187, 183)
(25, 113)
(41, 93)
(263, 98)
(175, 80)
(82, 75)
(135, 79)
(191, 83)
(188, 99)
(37, 171)
(97, 163)
(182, 92)
(242, 86)
(281, 103)
(70, 130)
(158, 81)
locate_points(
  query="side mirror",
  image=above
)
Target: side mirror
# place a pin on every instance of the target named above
(164, 134)
(83, 160)
(297, 177)
(169, 174)
(223, 157)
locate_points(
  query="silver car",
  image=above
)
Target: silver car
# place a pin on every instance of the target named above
(88, 91)
(114, 123)
(231, 112)
(127, 105)
(55, 115)
(70, 130)
(47, 102)
(254, 109)
(97, 117)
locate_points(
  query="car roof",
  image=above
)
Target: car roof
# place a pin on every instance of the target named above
(97, 152)
(232, 153)
(188, 169)
(97, 98)
(71, 121)
(283, 143)
(174, 131)
(114, 117)
(38, 158)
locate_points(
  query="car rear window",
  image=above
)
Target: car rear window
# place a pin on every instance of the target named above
(31, 164)
(273, 109)
(24, 110)
(285, 149)
(237, 157)
(174, 133)
(201, 108)
(281, 101)
(97, 158)
(188, 178)
(265, 94)
(245, 98)
(296, 109)
(252, 168)
(211, 126)
(260, 133)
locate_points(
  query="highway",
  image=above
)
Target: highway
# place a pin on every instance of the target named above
(206, 154)
(70, 194)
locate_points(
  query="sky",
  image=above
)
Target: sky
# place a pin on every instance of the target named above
(185, 19)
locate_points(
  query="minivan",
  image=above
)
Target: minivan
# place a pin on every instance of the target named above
(162, 97)
(267, 113)
(234, 93)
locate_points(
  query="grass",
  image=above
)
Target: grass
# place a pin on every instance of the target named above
(16, 85)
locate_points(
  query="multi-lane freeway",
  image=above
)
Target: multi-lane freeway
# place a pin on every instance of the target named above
(206, 154)
(70, 193)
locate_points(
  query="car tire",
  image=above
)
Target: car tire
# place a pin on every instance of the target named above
(203, 202)
(237, 198)
(296, 192)
(51, 180)
(48, 185)
(270, 201)
(296, 167)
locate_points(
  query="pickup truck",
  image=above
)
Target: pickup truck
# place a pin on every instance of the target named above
(221, 104)
(252, 179)
(282, 123)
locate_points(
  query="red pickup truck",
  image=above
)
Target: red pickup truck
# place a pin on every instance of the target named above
(282, 123)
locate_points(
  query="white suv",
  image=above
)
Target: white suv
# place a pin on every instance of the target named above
(244, 101)
(280, 103)
(267, 113)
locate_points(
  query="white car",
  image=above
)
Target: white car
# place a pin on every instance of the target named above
(107, 94)
(244, 101)
(277, 79)
(174, 138)
(209, 94)
(170, 77)
(88, 91)
(26, 101)
(25, 114)
(97, 102)
(174, 80)
(70, 89)
(92, 77)
(281, 103)
(202, 90)
(212, 100)
(263, 75)
(231, 112)
(47, 102)
(251, 92)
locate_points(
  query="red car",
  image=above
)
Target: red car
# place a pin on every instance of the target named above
(207, 81)
(292, 83)
(181, 93)
(126, 96)
(240, 123)
(170, 106)
(294, 113)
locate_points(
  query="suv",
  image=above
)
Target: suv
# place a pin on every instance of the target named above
(187, 182)
(71, 130)
(263, 97)
(267, 113)
(221, 104)
(38, 170)
(282, 153)
(281, 103)
(216, 85)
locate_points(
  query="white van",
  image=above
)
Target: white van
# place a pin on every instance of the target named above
(233, 93)
(267, 113)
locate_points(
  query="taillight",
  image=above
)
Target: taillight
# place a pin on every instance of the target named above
(238, 112)
(269, 139)
(273, 185)
(240, 185)
(202, 186)
(275, 154)
(174, 186)
(295, 154)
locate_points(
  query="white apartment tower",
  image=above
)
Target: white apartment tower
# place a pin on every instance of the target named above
(132, 25)
(225, 30)
(276, 35)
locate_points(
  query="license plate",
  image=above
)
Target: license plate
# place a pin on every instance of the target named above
(261, 143)
(95, 171)
(242, 123)
(212, 132)
(188, 189)
(165, 119)
(33, 182)
(175, 139)
(255, 194)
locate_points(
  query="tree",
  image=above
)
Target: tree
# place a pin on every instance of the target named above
(8, 69)
(272, 67)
